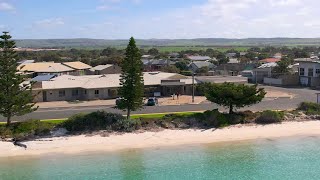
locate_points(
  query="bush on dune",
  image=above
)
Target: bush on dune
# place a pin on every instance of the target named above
(99, 120)
(310, 108)
(26, 129)
(268, 117)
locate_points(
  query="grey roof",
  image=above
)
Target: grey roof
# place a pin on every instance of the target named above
(203, 64)
(161, 62)
(231, 54)
(199, 58)
(43, 78)
(101, 67)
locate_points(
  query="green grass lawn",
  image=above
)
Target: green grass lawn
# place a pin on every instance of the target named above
(151, 116)
(160, 115)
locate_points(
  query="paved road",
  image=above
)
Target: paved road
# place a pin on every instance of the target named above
(272, 104)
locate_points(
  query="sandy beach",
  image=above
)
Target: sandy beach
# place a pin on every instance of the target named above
(83, 144)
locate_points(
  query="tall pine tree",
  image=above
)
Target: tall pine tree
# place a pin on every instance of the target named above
(131, 81)
(15, 98)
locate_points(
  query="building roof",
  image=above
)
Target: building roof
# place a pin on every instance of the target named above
(203, 64)
(222, 79)
(43, 78)
(161, 62)
(231, 54)
(268, 65)
(108, 81)
(26, 61)
(77, 65)
(233, 61)
(270, 60)
(101, 67)
(199, 58)
(44, 67)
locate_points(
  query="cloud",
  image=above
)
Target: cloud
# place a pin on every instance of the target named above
(4, 6)
(114, 4)
(49, 23)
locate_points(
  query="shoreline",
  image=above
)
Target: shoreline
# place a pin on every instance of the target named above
(70, 145)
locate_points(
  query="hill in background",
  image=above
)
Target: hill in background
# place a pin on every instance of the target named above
(102, 43)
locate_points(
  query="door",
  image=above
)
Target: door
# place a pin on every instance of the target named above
(44, 95)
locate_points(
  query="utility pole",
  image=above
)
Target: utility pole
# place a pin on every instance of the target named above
(193, 87)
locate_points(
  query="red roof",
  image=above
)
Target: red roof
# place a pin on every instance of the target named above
(269, 60)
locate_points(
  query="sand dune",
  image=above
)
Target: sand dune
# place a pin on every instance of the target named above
(82, 144)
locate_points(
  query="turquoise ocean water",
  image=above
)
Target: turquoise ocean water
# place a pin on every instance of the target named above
(285, 158)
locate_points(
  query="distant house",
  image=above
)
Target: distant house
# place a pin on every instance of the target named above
(229, 69)
(79, 67)
(45, 68)
(231, 55)
(174, 55)
(199, 58)
(195, 66)
(147, 56)
(156, 64)
(265, 70)
(269, 60)
(277, 56)
(104, 69)
(243, 53)
(309, 73)
(233, 61)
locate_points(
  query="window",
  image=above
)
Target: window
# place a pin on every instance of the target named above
(85, 91)
(317, 71)
(96, 92)
(301, 71)
(75, 92)
(62, 93)
(310, 72)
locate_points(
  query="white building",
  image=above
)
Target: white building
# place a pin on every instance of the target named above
(309, 72)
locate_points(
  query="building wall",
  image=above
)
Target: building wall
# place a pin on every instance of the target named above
(104, 93)
(307, 66)
(307, 80)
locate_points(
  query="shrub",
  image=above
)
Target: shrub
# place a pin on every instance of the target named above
(186, 73)
(310, 108)
(100, 120)
(268, 117)
(212, 119)
(125, 125)
(248, 116)
(26, 129)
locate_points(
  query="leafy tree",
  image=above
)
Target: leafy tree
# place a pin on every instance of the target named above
(182, 65)
(282, 66)
(108, 51)
(153, 51)
(132, 86)
(170, 69)
(263, 56)
(204, 69)
(15, 98)
(222, 59)
(233, 95)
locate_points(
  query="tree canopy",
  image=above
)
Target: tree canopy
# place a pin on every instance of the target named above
(15, 97)
(131, 81)
(233, 95)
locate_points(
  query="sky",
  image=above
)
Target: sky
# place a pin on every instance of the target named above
(159, 19)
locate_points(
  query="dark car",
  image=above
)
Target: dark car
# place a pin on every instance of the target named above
(152, 101)
(118, 100)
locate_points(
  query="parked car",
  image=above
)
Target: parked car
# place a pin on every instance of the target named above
(118, 100)
(152, 101)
